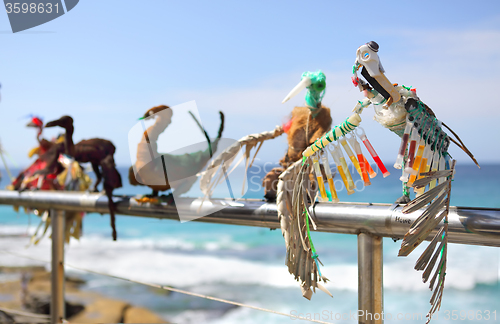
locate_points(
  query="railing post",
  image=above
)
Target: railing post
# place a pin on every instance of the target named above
(57, 288)
(370, 279)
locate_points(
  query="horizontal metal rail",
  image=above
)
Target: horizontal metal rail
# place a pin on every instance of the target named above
(477, 226)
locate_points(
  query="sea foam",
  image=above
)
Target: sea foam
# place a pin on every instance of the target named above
(185, 263)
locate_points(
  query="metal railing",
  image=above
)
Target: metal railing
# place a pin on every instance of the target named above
(370, 222)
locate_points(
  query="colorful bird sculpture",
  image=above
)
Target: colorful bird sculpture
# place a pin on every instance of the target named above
(423, 156)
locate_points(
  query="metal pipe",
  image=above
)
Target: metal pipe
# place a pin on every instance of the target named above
(477, 226)
(365, 279)
(370, 282)
(57, 310)
(378, 279)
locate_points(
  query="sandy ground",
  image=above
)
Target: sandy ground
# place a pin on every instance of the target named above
(96, 308)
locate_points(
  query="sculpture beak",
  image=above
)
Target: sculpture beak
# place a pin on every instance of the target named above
(51, 124)
(304, 83)
(54, 123)
(374, 73)
(381, 80)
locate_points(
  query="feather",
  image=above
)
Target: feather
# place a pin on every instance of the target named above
(428, 214)
(410, 239)
(437, 295)
(302, 266)
(432, 209)
(430, 176)
(421, 233)
(306, 291)
(290, 261)
(315, 272)
(421, 228)
(438, 270)
(286, 232)
(308, 270)
(436, 174)
(294, 210)
(324, 289)
(304, 200)
(434, 307)
(295, 192)
(208, 177)
(300, 207)
(302, 234)
(430, 266)
(294, 252)
(423, 199)
(424, 258)
(297, 264)
(461, 145)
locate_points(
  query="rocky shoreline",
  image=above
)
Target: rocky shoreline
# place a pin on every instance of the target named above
(27, 290)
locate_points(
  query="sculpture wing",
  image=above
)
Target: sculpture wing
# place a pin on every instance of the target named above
(437, 202)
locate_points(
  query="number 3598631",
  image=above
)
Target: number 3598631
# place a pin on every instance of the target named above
(479, 315)
(25, 7)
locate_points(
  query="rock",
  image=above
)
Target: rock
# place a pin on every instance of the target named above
(140, 315)
(40, 304)
(6, 318)
(22, 269)
(31, 293)
(101, 311)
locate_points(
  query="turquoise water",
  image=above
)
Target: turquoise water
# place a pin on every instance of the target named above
(246, 264)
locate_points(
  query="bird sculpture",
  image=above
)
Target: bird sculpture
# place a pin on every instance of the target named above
(99, 152)
(151, 167)
(43, 144)
(29, 179)
(63, 175)
(305, 125)
(423, 156)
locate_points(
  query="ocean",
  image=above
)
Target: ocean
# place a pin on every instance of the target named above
(246, 264)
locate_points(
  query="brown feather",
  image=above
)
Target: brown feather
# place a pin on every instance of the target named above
(462, 145)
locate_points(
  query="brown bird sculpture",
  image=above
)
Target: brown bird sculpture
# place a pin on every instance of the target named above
(99, 152)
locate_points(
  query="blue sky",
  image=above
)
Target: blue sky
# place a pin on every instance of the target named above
(106, 62)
